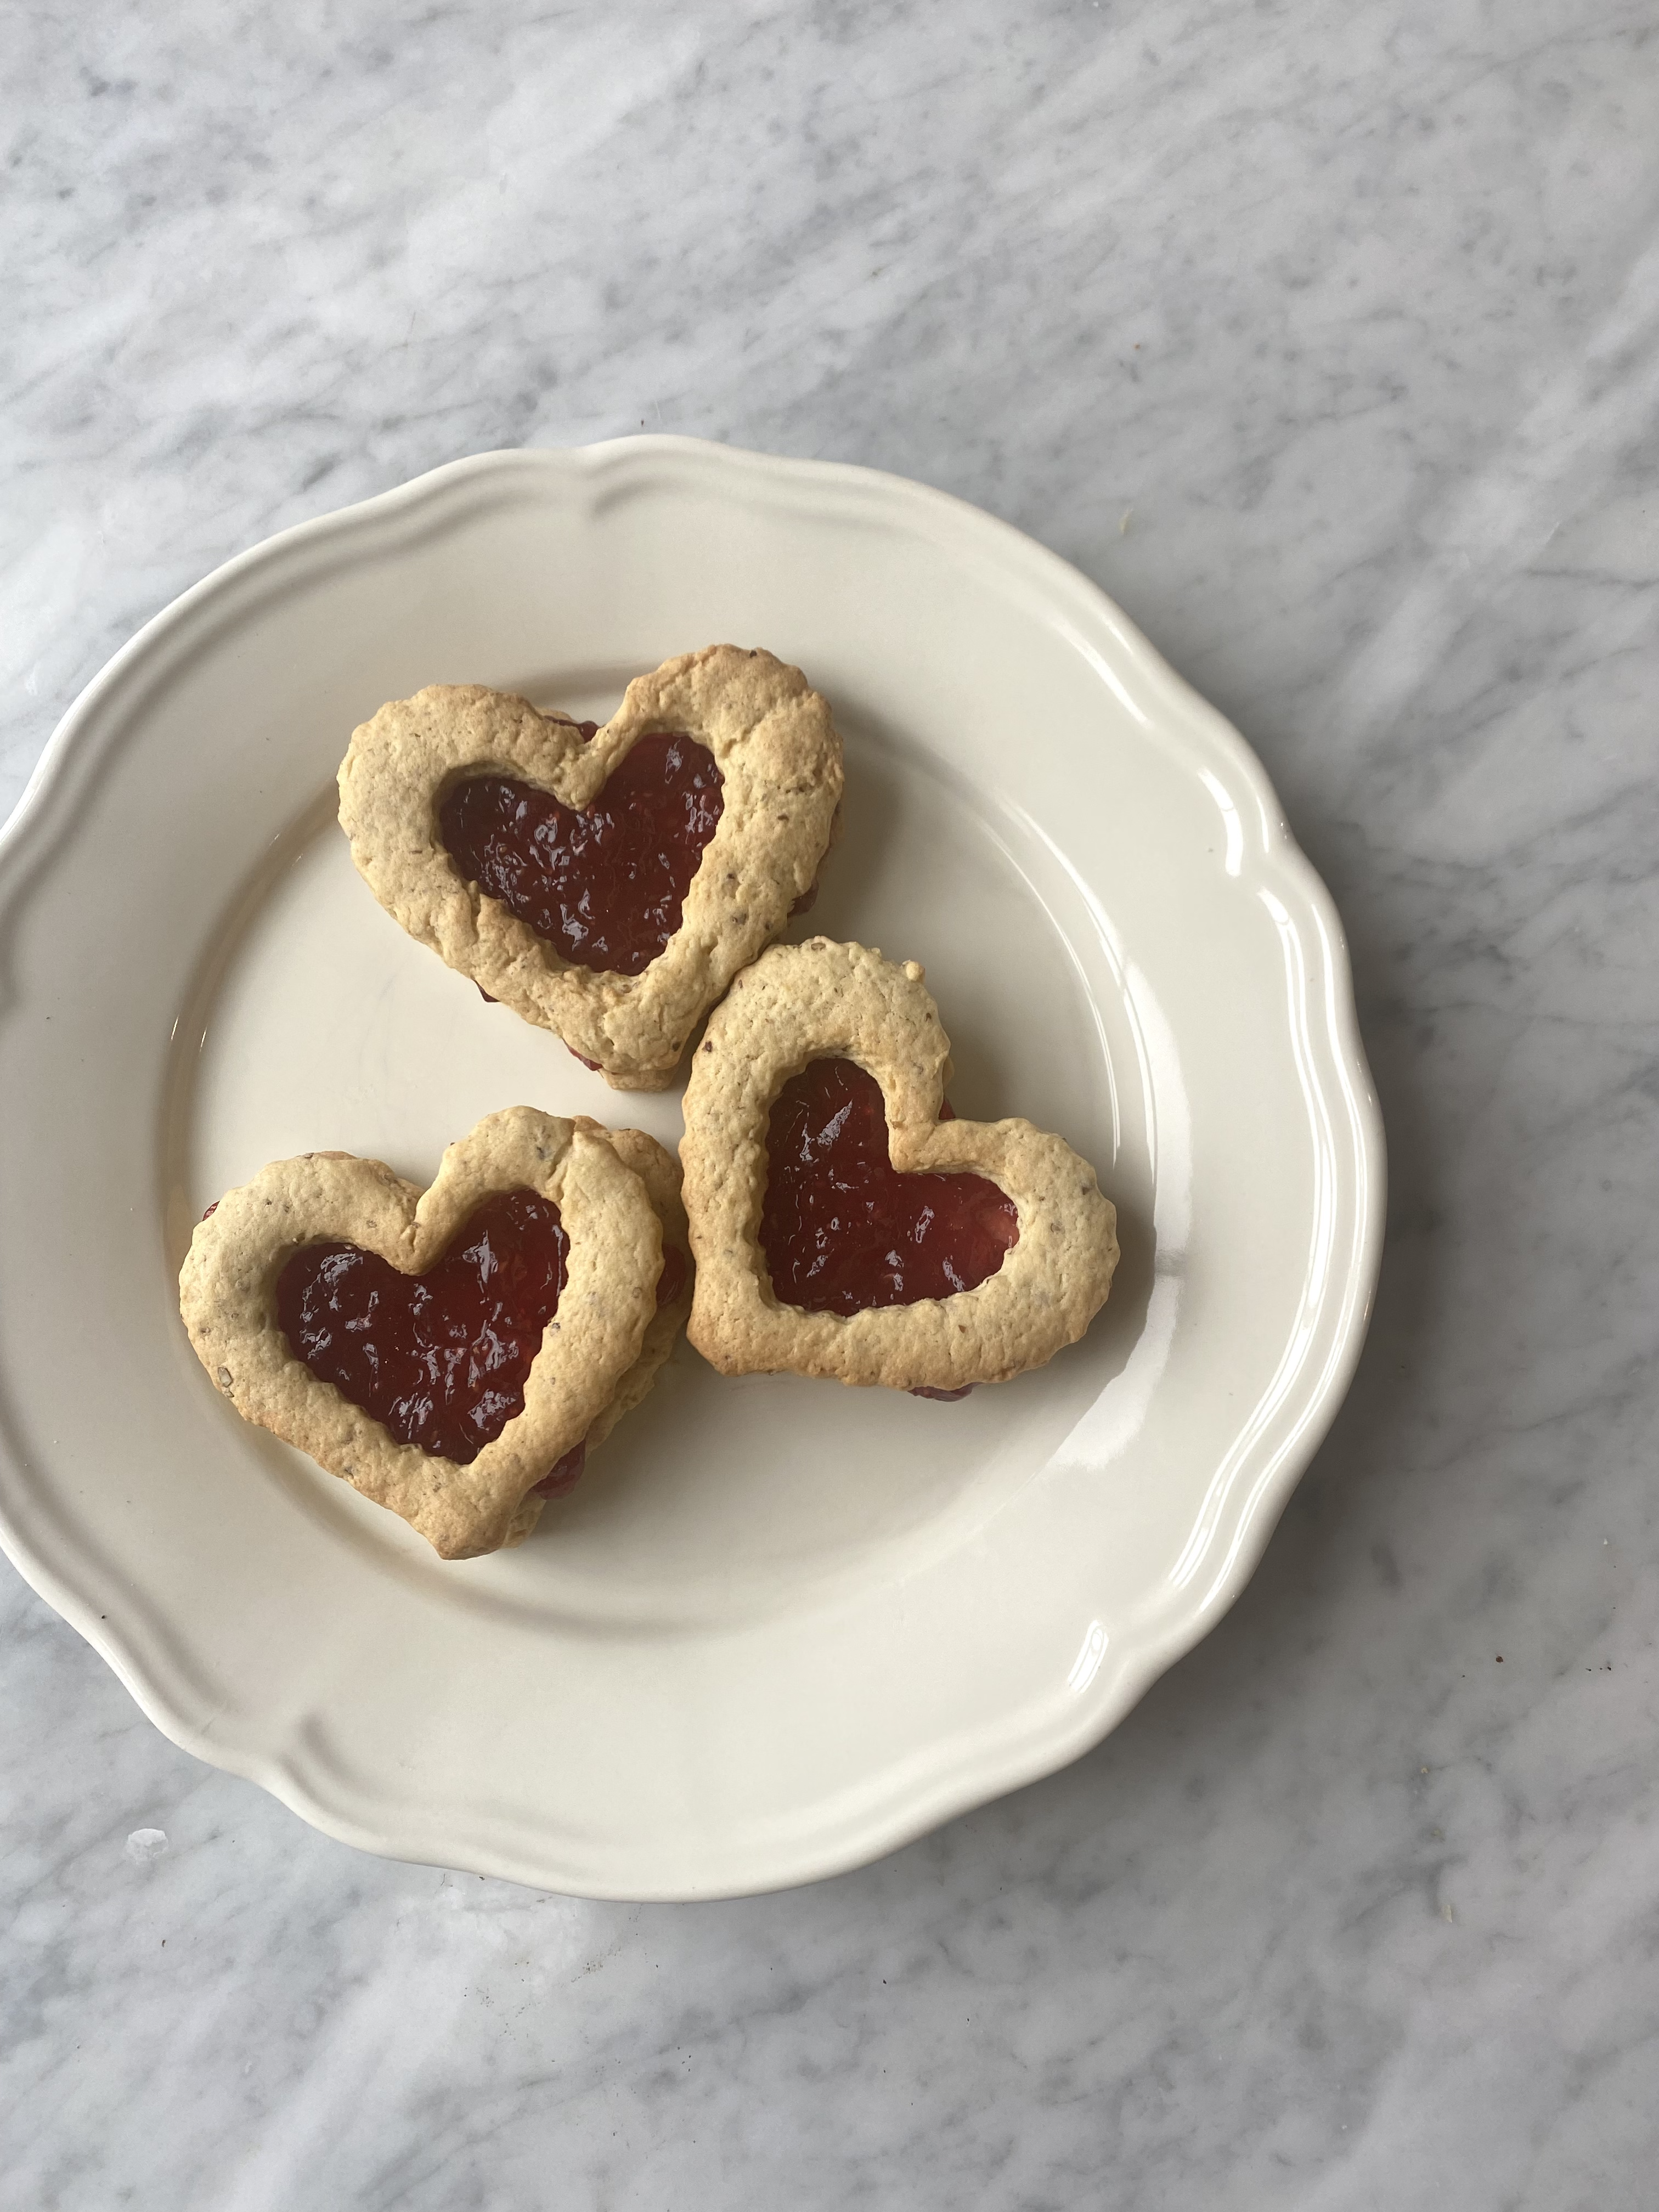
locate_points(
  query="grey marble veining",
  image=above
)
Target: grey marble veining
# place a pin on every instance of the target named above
(1327, 340)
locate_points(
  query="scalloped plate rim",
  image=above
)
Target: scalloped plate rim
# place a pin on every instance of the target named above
(136, 1648)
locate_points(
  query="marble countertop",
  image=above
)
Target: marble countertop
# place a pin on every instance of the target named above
(1327, 341)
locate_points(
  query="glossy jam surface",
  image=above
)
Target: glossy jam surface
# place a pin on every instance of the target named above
(604, 886)
(842, 1229)
(440, 1359)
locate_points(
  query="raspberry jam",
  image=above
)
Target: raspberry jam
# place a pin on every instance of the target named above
(842, 1230)
(564, 1474)
(440, 1359)
(671, 1280)
(605, 885)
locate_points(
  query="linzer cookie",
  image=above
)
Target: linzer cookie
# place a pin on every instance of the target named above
(453, 1354)
(843, 1222)
(605, 883)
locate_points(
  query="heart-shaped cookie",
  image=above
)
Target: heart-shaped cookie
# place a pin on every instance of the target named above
(604, 883)
(930, 1253)
(453, 1354)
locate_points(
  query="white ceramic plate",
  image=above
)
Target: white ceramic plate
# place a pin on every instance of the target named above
(792, 1625)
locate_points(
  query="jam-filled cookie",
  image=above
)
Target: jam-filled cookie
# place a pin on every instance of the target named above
(453, 1354)
(843, 1222)
(605, 883)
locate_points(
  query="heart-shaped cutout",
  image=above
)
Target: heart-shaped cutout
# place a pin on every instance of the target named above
(440, 1359)
(604, 884)
(842, 1229)
(455, 1353)
(672, 844)
(795, 1018)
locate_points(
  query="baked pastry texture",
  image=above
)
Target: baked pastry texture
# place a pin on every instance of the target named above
(780, 764)
(618, 1197)
(800, 1004)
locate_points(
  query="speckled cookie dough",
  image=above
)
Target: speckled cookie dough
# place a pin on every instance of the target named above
(780, 764)
(617, 1196)
(822, 1000)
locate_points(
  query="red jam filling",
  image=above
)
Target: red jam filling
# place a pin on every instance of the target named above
(440, 1359)
(565, 1474)
(671, 1281)
(605, 886)
(842, 1230)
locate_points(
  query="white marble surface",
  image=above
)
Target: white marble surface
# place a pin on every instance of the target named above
(1326, 338)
